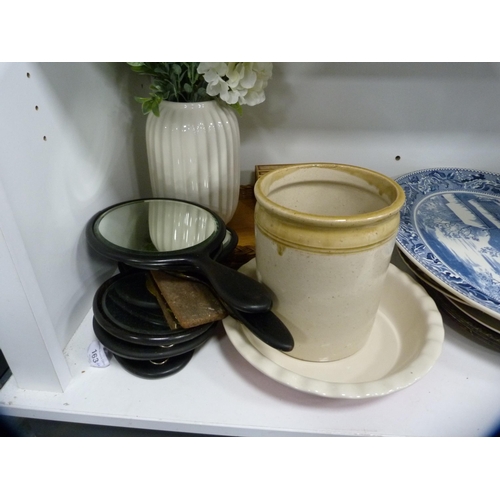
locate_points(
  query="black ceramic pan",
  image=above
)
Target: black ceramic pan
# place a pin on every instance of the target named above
(146, 353)
(129, 327)
(155, 369)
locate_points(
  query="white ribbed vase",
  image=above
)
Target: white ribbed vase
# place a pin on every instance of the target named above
(194, 154)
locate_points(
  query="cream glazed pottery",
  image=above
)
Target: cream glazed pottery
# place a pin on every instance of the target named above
(194, 154)
(403, 346)
(324, 236)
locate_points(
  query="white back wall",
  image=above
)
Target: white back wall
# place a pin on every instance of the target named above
(428, 114)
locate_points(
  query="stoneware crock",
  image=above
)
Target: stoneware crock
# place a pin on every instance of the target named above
(324, 234)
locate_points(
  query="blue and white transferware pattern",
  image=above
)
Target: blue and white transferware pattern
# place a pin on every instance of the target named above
(450, 227)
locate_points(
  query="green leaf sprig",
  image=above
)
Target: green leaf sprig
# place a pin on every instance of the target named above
(170, 81)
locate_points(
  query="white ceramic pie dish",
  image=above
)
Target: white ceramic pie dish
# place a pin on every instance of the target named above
(404, 345)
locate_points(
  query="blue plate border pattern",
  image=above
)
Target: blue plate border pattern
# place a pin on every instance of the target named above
(419, 186)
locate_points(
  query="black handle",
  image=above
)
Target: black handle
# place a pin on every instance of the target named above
(234, 288)
(266, 327)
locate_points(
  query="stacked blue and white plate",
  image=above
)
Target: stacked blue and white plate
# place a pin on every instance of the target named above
(450, 238)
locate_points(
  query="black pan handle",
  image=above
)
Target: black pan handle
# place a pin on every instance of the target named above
(234, 288)
(266, 327)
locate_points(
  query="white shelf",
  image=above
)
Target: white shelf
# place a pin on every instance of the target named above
(68, 154)
(220, 393)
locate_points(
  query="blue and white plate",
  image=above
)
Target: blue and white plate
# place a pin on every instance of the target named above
(450, 228)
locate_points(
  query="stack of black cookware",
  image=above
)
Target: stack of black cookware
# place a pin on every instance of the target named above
(129, 322)
(178, 238)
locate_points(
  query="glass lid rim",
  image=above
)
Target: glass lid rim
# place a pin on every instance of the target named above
(121, 253)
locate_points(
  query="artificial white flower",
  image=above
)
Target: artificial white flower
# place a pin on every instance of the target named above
(237, 82)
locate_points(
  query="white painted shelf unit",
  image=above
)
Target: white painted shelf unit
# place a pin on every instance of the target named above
(72, 144)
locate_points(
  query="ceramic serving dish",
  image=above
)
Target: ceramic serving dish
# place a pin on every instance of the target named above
(404, 344)
(450, 229)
